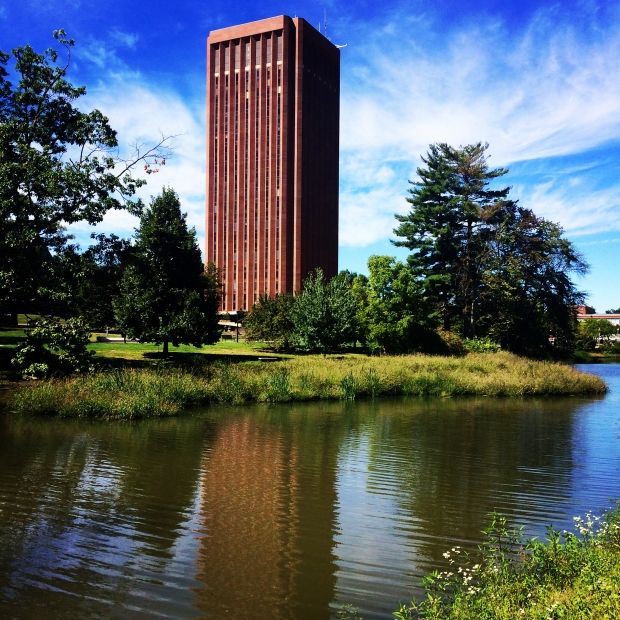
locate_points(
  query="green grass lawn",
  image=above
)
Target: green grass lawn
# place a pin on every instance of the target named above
(144, 351)
(133, 351)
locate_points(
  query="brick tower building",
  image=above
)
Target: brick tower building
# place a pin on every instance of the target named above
(273, 104)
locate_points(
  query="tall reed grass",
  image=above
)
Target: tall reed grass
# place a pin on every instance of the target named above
(138, 393)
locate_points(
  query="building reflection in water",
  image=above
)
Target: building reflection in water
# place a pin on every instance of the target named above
(268, 519)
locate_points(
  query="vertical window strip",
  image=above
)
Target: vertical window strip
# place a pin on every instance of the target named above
(226, 161)
(267, 170)
(235, 265)
(216, 123)
(256, 172)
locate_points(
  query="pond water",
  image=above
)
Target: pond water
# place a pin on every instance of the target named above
(284, 512)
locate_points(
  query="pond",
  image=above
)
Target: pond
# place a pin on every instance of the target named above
(284, 512)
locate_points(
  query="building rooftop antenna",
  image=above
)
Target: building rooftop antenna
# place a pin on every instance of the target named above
(325, 30)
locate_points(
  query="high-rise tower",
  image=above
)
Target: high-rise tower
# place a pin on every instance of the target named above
(273, 105)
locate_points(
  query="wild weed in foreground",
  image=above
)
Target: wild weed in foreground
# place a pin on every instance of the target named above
(570, 575)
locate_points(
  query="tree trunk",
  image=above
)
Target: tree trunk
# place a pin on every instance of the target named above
(165, 350)
(468, 310)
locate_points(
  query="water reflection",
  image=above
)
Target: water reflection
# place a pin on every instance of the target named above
(418, 479)
(282, 512)
(92, 514)
(268, 507)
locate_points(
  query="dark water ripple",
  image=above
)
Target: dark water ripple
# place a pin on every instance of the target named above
(284, 512)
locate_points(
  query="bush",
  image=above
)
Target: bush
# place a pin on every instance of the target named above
(480, 345)
(571, 575)
(610, 348)
(54, 348)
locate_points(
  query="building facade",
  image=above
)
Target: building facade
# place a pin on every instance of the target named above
(273, 99)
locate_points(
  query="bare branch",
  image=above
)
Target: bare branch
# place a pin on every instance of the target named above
(154, 155)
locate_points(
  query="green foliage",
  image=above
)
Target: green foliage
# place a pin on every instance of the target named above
(54, 348)
(452, 208)
(349, 387)
(610, 347)
(480, 345)
(488, 267)
(58, 165)
(392, 309)
(570, 575)
(324, 314)
(593, 332)
(449, 343)
(270, 320)
(100, 270)
(528, 299)
(279, 386)
(165, 293)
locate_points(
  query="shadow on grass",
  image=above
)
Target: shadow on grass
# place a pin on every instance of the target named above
(178, 358)
(5, 358)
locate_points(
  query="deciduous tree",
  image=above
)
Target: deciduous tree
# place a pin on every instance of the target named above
(395, 315)
(324, 314)
(593, 331)
(100, 270)
(59, 164)
(527, 298)
(270, 319)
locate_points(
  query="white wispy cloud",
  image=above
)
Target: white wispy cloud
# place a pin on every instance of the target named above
(580, 209)
(104, 52)
(98, 53)
(550, 90)
(124, 39)
(142, 113)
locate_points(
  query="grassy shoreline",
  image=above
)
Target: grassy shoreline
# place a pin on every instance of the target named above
(127, 393)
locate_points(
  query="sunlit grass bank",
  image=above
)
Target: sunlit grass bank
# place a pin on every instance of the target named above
(135, 393)
(571, 575)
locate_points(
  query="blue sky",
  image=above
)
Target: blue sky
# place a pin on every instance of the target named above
(539, 81)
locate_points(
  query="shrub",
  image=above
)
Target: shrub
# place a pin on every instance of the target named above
(570, 575)
(480, 345)
(54, 348)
